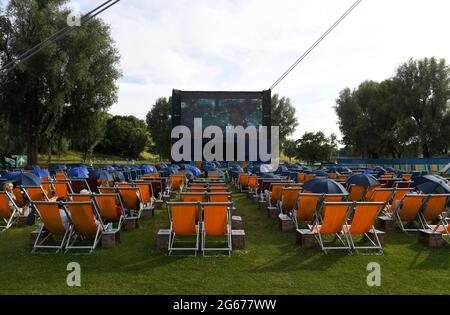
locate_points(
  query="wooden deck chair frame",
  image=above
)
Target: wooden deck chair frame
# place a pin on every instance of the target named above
(369, 223)
(41, 237)
(173, 234)
(299, 203)
(339, 234)
(425, 216)
(398, 215)
(118, 201)
(74, 234)
(5, 201)
(204, 207)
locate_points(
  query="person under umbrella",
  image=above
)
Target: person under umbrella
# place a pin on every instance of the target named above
(323, 185)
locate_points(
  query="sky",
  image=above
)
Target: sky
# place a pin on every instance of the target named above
(248, 44)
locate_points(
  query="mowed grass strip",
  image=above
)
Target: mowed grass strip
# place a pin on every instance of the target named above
(270, 264)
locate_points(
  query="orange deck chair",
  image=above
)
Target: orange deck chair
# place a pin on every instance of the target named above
(80, 197)
(243, 182)
(397, 197)
(407, 211)
(300, 178)
(198, 189)
(53, 227)
(145, 194)
(406, 177)
(177, 182)
(110, 209)
(274, 194)
(60, 176)
(107, 190)
(253, 185)
(20, 201)
(216, 222)
(193, 197)
(131, 200)
(334, 224)
(357, 193)
(433, 209)
(289, 196)
(87, 225)
(9, 212)
(305, 208)
(383, 195)
(62, 189)
(183, 217)
(309, 177)
(364, 217)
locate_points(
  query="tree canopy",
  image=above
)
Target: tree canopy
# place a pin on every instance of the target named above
(62, 88)
(400, 116)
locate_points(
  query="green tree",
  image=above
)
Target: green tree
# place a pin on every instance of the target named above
(283, 115)
(159, 122)
(423, 93)
(316, 147)
(74, 75)
(125, 136)
(290, 149)
(86, 139)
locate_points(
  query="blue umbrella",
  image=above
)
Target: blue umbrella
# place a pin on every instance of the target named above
(118, 176)
(41, 173)
(26, 180)
(78, 172)
(362, 180)
(108, 168)
(10, 175)
(268, 175)
(282, 169)
(148, 169)
(189, 174)
(161, 166)
(431, 184)
(324, 185)
(102, 175)
(195, 170)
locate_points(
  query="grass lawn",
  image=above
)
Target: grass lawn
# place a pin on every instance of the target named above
(271, 264)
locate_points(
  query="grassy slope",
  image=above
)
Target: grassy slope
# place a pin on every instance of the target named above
(271, 264)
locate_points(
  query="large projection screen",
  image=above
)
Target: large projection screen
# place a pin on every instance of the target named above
(221, 109)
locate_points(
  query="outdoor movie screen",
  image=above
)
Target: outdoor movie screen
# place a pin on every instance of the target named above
(221, 109)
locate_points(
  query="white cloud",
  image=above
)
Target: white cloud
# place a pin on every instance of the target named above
(247, 44)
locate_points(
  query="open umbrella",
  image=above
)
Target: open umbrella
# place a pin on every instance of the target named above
(195, 170)
(102, 175)
(26, 180)
(41, 173)
(11, 175)
(431, 184)
(57, 168)
(32, 167)
(324, 185)
(118, 176)
(362, 180)
(148, 169)
(108, 168)
(78, 172)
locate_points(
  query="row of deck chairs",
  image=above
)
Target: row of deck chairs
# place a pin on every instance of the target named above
(205, 211)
